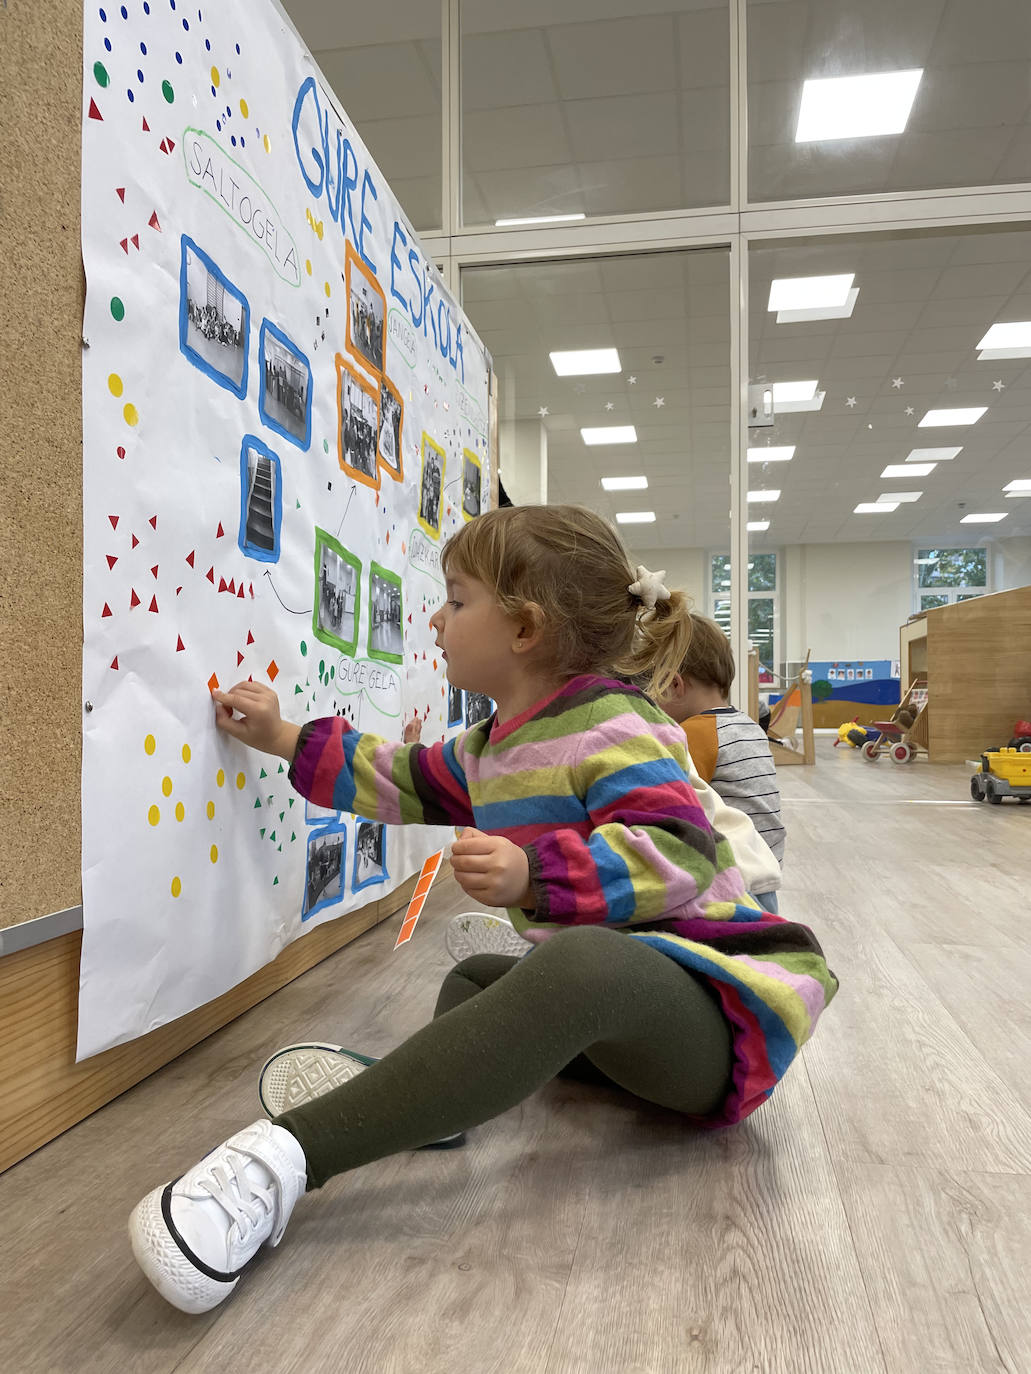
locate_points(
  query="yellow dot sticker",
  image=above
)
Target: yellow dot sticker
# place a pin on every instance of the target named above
(220, 777)
(243, 109)
(214, 853)
(307, 266)
(150, 744)
(153, 815)
(114, 384)
(327, 288)
(177, 886)
(211, 810)
(241, 781)
(166, 786)
(268, 145)
(131, 414)
(216, 80)
(180, 811)
(186, 753)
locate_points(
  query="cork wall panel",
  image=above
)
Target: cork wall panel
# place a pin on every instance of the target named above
(40, 457)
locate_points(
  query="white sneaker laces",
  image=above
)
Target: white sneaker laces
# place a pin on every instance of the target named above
(245, 1202)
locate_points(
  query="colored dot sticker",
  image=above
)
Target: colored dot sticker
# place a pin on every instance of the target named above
(307, 266)
(216, 80)
(117, 309)
(166, 90)
(268, 145)
(150, 744)
(186, 753)
(211, 810)
(241, 781)
(131, 414)
(177, 886)
(220, 777)
(166, 786)
(214, 853)
(153, 815)
(327, 288)
(114, 384)
(100, 72)
(180, 811)
(243, 109)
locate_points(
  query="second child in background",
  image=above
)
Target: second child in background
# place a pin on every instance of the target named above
(728, 748)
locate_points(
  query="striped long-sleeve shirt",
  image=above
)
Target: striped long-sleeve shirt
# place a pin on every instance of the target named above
(733, 755)
(591, 782)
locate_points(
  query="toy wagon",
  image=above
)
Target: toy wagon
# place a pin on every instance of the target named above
(905, 734)
(1002, 773)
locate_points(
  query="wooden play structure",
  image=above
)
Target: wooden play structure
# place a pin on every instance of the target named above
(791, 718)
(905, 734)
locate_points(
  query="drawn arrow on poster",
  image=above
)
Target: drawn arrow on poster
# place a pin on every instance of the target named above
(354, 488)
(282, 602)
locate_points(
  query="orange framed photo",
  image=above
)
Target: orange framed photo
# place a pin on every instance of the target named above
(431, 486)
(366, 315)
(357, 424)
(390, 444)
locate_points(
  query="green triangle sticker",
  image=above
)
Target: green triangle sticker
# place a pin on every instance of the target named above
(282, 814)
(263, 774)
(291, 801)
(257, 804)
(293, 836)
(275, 881)
(298, 690)
(273, 835)
(262, 832)
(281, 768)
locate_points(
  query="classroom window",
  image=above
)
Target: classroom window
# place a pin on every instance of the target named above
(762, 600)
(950, 575)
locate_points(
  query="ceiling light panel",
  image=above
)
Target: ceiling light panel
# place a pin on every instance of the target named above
(983, 519)
(585, 362)
(907, 471)
(1018, 484)
(810, 293)
(960, 416)
(760, 496)
(635, 517)
(886, 497)
(624, 483)
(933, 455)
(538, 219)
(609, 434)
(875, 507)
(865, 106)
(1009, 340)
(775, 454)
(757, 526)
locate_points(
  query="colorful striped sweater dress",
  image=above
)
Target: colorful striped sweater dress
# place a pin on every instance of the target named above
(592, 783)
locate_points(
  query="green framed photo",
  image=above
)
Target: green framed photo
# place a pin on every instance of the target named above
(386, 612)
(338, 584)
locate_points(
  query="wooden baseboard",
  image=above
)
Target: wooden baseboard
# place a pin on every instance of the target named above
(45, 1091)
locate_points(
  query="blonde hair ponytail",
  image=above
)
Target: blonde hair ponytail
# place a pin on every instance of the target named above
(660, 645)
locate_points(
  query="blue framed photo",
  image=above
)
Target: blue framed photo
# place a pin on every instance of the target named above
(370, 853)
(261, 500)
(320, 815)
(324, 870)
(454, 704)
(284, 396)
(214, 320)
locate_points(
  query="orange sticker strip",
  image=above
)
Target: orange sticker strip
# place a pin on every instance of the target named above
(422, 887)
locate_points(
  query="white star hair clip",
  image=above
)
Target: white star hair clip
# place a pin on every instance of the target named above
(649, 589)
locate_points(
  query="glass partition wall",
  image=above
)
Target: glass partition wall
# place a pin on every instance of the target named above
(829, 200)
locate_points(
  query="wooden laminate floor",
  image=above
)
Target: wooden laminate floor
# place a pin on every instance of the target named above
(874, 1216)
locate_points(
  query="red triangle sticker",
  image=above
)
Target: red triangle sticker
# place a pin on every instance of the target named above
(146, 126)
(153, 604)
(153, 522)
(154, 222)
(125, 245)
(154, 570)
(106, 611)
(240, 592)
(222, 584)
(232, 586)
(114, 521)
(112, 559)
(94, 113)
(250, 637)
(171, 145)
(239, 658)
(162, 146)
(135, 600)
(221, 531)
(179, 645)
(250, 586)
(120, 193)
(114, 662)
(136, 242)
(135, 541)
(178, 590)
(210, 575)
(189, 557)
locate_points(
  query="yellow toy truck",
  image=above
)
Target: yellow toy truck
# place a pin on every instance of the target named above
(1002, 773)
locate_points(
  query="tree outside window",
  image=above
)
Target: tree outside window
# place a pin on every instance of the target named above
(954, 574)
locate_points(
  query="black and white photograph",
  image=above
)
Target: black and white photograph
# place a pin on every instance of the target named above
(336, 596)
(213, 320)
(358, 425)
(470, 485)
(454, 704)
(386, 638)
(285, 397)
(430, 488)
(261, 501)
(478, 707)
(370, 857)
(365, 314)
(323, 879)
(390, 412)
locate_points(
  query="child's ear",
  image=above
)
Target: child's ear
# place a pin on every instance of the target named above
(530, 622)
(677, 687)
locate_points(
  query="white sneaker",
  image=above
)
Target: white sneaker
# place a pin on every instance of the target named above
(297, 1074)
(475, 932)
(193, 1237)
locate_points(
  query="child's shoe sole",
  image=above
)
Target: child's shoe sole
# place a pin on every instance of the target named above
(475, 932)
(175, 1276)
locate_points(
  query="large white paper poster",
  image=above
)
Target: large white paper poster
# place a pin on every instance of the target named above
(284, 417)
